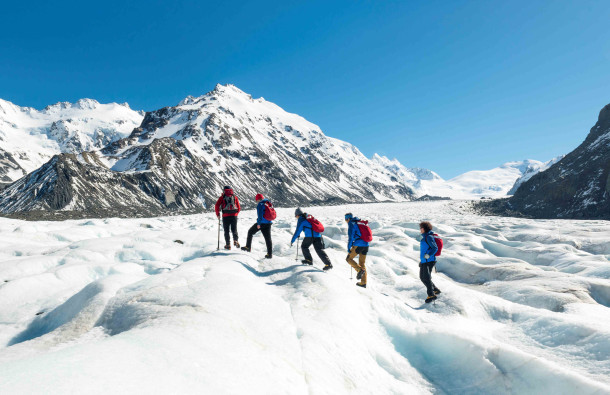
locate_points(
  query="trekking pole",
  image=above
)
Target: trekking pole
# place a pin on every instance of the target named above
(297, 258)
(218, 247)
(351, 270)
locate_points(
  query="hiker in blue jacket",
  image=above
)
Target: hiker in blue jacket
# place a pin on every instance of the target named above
(356, 247)
(311, 237)
(262, 224)
(427, 259)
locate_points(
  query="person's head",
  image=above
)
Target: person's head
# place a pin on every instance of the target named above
(259, 197)
(348, 216)
(425, 227)
(298, 212)
(227, 190)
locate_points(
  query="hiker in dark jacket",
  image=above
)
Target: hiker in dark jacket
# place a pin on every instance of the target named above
(262, 224)
(427, 259)
(311, 237)
(356, 247)
(229, 204)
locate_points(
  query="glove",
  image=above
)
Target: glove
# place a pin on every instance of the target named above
(426, 256)
(291, 244)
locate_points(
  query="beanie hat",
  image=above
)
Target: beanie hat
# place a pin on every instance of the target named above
(259, 196)
(227, 187)
(298, 212)
(349, 216)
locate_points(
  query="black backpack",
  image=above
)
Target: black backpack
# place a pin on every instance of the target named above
(229, 206)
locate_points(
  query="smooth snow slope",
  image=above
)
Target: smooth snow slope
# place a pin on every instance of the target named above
(117, 306)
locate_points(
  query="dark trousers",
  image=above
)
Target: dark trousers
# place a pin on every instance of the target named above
(266, 230)
(317, 245)
(425, 275)
(230, 224)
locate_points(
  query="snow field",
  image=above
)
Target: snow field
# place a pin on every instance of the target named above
(119, 306)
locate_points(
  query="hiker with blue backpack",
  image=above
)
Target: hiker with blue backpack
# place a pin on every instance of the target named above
(359, 235)
(429, 248)
(313, 235)
(265, 214)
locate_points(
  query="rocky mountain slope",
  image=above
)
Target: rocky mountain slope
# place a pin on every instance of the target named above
(179, 158)
(29, 137)
(578, 186)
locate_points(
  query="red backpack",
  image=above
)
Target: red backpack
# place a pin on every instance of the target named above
(366, 234)
(269, 213)
(439, 243)
(316, 225)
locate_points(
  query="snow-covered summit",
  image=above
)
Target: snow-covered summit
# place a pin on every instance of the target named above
(485, 183)
(29, 137)
(532, 169)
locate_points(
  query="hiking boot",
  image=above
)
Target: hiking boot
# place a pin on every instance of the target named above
(327, 267)
(437, 291)
(430, 298)
(360, 274)
(361, 285)
(268, 256)
(228, 247)
(306, 262)
(245, 249)
(236, 244)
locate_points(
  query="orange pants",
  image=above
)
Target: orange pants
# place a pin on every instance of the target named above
(361, 252)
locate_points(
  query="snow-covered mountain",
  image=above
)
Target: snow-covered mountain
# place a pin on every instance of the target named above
(533, 169)
(577, 186)
(475, 184)
(419, 179)
(29, 138)
(182, 156)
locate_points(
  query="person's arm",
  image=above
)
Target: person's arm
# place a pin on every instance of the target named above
(432, 247)
(217, 206)
(260, 208)
(298, 231)
(238, 205)
(350, 235)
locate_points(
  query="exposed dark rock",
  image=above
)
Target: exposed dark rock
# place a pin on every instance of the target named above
(576, 187)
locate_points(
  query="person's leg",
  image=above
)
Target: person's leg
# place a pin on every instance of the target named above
(266, 230)
(226, 225)
(434, 287)
(234, 229)
(350, 259)
(361, 262)
(251, 232)
(424, 276)
(317, 245)
(305, 248)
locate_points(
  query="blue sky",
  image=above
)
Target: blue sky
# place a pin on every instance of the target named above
(447, 85)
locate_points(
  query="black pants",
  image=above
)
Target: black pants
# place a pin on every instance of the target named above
(266, 230)
(230, 224)
(425, 275)
(317, 245)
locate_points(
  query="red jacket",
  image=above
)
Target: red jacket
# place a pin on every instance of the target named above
(225, 210)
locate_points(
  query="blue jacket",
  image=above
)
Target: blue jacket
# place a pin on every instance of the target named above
(427, 245)
(260, 211)
(353, 234)
(303, 225)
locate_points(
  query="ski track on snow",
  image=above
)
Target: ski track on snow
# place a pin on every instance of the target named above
(524, 308)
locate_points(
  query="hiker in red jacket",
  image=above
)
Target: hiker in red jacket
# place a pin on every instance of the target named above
(229, 204)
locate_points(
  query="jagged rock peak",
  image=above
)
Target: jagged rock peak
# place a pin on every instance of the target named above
(604, 114)
(220, 90)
